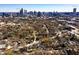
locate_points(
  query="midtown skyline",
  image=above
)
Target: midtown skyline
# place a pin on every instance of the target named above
(39, 7)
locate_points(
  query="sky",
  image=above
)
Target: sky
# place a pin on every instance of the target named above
(39, 7)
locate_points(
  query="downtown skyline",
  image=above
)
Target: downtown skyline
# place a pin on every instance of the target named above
(39, 7)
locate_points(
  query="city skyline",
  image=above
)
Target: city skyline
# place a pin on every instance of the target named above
(39, 7)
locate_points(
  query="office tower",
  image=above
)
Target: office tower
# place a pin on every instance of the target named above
(3, 14)
(31, 12)
(25, 12)
(50, 14)
(74, 9)
(21, 12)
(38, 14)
(35, 13)
(11, 15)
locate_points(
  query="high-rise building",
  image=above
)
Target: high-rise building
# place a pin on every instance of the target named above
(74, 9)
(21, 12)
(25, 12)
(31, 12)
(39, 14)
(35, 13)
(3, 14)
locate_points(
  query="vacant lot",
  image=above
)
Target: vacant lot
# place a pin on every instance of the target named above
(38, 37)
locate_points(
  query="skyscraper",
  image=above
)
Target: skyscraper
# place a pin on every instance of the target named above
(74, 10)
(25, 12)
(35, 13)
(39, 14)
(21, 12)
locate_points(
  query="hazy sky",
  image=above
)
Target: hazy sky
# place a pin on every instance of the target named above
(39, 7)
